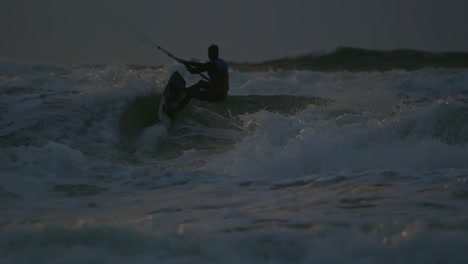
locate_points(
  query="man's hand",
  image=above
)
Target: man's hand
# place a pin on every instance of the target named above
(175, 58)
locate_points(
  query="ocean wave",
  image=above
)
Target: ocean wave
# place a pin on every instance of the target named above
(289, 242)
(292, 166)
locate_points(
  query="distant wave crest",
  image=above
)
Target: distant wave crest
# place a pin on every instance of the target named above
(356, 59)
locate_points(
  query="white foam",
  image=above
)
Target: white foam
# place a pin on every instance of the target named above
(309, 142)
(147, 147)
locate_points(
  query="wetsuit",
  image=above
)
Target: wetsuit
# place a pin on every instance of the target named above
(215, 90)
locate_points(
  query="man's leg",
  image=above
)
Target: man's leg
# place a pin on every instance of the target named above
(200, 90)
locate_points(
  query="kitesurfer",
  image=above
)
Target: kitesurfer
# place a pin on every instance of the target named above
(214, 90)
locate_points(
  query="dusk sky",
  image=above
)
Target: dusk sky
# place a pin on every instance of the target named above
(56, 31)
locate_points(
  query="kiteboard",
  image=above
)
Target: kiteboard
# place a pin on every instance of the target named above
(173, 93)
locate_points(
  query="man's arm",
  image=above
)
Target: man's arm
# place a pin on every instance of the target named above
(195, 67)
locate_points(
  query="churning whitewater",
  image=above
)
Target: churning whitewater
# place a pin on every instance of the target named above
(295, 166)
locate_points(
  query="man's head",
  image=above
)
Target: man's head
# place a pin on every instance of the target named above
(213, 52)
